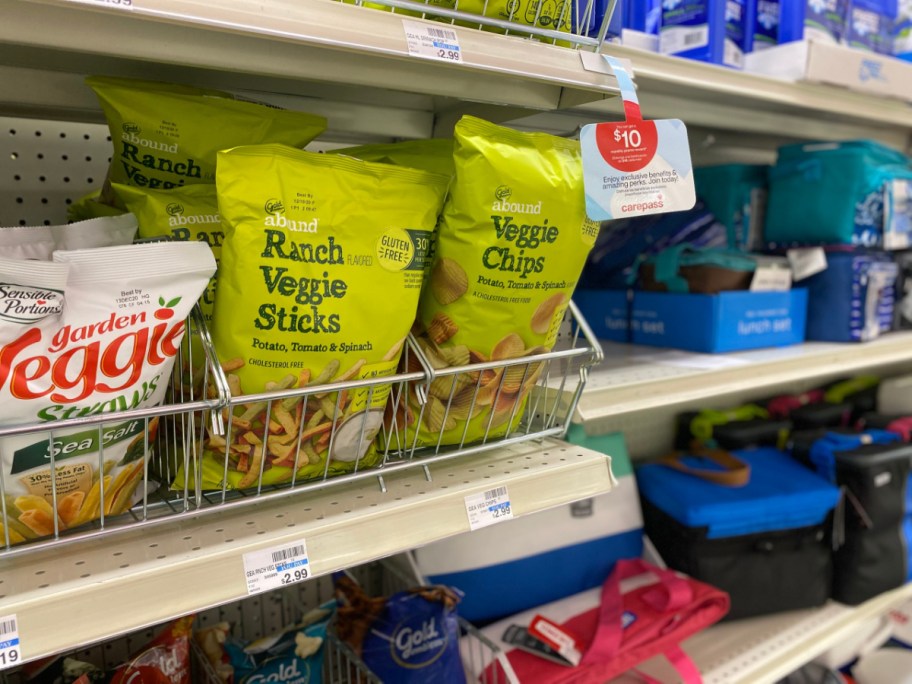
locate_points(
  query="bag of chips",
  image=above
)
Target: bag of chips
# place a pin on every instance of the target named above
(511, 245)
(411, 637)
(434, 155)
(94, 331)
(40, 242)
(187, 213)
(321, 271)
(167, 136)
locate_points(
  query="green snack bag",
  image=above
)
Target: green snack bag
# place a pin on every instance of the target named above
(435, 155)
(182, 214)
(321, 272)
(511, 245)
(89, 207)
(166, 136)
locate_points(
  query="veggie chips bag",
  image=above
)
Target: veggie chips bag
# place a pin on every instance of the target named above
(321, 272)
(435, 155)
(181, 214)
(166, 136)
(93, 331)
(512, 241)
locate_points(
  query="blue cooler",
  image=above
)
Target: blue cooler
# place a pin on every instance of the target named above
(765, 542)
(499, 568)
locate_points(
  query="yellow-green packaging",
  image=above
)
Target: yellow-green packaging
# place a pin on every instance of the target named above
(434, 155)
(89, 207)
(511, 245)
(321, 272)
(167, 136)
(181, 214)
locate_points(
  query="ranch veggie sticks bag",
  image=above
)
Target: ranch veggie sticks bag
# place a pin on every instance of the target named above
(512, 241)
(166, 136)
(321, 271)
(188, 213)
(92, 332)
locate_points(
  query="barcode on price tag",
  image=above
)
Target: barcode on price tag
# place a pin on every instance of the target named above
(276, 567)
(9, 642)
(487, 508)
(432, 42)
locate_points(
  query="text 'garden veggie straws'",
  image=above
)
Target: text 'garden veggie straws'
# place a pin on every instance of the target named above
(166, 136)
(321, 272)
(92, 332)
(511, 244)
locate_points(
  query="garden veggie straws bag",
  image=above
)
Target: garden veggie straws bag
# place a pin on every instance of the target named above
(40, 242)
(167, 136)
(92, 332)
(512, 242)
(188, 213)
(321, 271)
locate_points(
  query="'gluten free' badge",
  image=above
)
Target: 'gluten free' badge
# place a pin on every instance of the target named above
(638, 166)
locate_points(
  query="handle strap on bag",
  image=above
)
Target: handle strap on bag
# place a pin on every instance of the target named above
(704, 423)
(842, 391)
(734, 473)
(671, 593)
(902, 427)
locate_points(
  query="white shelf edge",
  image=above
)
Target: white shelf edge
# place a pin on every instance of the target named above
(317, 40)
(761, 663)
(614, 390)
(152, 574)
(701, 82)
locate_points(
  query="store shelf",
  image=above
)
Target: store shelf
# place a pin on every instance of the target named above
(709, 95)
(635, 378)
(319, 50)
(80, 593)
(764, 650)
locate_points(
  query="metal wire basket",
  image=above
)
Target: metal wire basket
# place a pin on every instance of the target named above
(569, 23)
(165, 433)
(206, 447)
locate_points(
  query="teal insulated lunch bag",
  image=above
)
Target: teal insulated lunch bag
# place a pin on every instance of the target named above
(831, 193)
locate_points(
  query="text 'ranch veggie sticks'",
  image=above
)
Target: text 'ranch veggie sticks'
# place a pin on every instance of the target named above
(511, 244)
(166, 136)
(321, 272)
(182, 214)
(93, 331)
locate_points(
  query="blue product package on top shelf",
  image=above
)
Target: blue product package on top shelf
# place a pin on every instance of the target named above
(713, 31)
(823, 20)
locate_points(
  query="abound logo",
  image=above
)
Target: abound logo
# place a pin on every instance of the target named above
(178, 218)
(24, 304)
(417, 644)
(502, 203)
(275, 210)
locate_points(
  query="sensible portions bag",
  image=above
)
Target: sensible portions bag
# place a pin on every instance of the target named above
(92, 332)
(40, 242)
(166, 136)
(511, 244)
(182, 214)
(322, 267)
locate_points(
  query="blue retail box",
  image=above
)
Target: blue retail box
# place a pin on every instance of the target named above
(730, 321)
(714, 31)
(607, 312)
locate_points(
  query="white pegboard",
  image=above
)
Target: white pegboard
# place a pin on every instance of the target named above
(46, 166)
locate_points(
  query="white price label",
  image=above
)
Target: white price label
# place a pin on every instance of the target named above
(113, 4)
(276, 567)
(771, 279)
(487, 508)
(806, 262)
(432, 42)
(9, 642)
